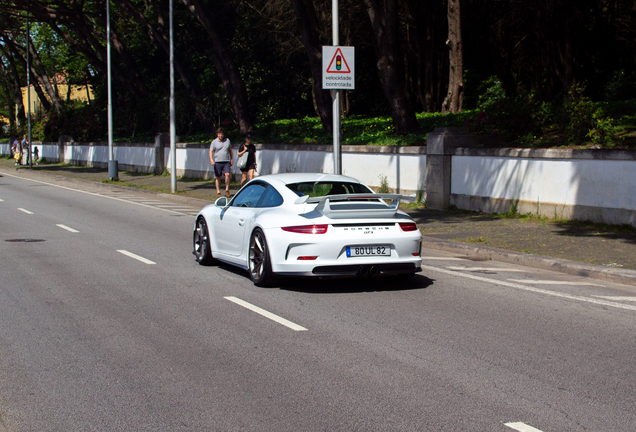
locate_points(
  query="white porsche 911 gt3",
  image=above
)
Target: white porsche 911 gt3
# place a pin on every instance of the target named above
(305, 224)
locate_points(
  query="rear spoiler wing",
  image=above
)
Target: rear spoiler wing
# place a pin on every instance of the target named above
(355, 205)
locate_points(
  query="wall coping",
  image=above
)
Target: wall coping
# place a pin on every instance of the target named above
(582, 154)
(416, 150)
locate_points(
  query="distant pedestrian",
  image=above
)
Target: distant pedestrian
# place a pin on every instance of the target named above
(25, 149)
(16, 148)
(36, 155)
(221, 160)
(247, 173)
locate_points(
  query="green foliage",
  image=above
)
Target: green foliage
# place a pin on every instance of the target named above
(501, 114)
(604, 131)
(81, 121)
(384, 184)
(579, 110)
(621, 86)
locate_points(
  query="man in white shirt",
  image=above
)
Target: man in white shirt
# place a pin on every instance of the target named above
(221, 160)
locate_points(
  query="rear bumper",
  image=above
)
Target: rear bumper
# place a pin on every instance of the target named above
(356, 270)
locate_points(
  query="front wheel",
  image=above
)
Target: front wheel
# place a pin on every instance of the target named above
(201, 243)
(260, 265)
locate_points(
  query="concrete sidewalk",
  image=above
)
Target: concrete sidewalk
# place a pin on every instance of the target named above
(599, 251)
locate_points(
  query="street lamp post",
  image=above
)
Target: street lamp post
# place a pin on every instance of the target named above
(173, 138)
(29, 158)
(112, 163)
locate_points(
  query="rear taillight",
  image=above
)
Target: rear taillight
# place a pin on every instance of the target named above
(307, 229)
(408, 226)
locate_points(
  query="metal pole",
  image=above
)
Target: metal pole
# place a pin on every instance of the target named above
(173, 137)
(112, 163)
(337, 156)
(29, 158)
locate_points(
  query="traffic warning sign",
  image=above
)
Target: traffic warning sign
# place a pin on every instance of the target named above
(338, 71)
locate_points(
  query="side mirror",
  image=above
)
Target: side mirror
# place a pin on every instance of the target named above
(221, 202)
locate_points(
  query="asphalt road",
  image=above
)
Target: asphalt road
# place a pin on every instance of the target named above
(107, 323)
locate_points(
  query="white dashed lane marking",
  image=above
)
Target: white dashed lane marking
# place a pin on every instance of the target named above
(137, 257)
(68, 228)
(25, 211)
(265, 313)
(521, 427)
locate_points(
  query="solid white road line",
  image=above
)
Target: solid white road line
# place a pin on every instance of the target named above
(68, 228)
(521, 427)
(531, 289)
(26, 211)
(444, 259)
(265, 313)
(91, 193)
(487, 269)
(137, 257)
(616, 298)
(549, 282)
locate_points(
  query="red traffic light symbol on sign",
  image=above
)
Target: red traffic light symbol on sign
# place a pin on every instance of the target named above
(338, 63)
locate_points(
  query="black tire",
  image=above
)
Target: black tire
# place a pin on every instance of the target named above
(201, 243)
(260, 265)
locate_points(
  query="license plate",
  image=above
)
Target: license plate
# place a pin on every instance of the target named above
(365, 251)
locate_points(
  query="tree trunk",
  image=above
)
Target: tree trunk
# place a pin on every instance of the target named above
(13, 80)
(384, 20)
(308, 27)
(188, 80)
(43, 77)
(19, 55)
(226, 68)
(455, 96)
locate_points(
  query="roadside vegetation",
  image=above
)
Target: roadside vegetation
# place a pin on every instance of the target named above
(500, 119)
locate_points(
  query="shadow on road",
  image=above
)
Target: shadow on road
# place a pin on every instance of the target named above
(353, 285)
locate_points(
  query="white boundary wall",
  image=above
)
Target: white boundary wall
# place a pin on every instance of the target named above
(404, 172)
(567, 184)
(600, 187)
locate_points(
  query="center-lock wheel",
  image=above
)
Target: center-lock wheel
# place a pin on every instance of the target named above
(260, 265)
(201, 243)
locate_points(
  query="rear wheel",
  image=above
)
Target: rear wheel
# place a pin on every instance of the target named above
(260, 265)
(201, 243)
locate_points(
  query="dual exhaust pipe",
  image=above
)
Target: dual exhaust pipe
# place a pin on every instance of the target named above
(365, 271)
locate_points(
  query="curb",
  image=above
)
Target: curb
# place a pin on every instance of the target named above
(627, 277)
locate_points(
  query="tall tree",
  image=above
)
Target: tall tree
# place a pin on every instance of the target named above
(455, 96)
(13, 80)
(308, 27)
(384, 20)
(189, 81)
(226, 68)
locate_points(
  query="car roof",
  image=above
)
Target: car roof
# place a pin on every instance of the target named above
(288, 178)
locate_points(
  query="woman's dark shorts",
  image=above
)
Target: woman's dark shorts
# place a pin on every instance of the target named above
(249, 167)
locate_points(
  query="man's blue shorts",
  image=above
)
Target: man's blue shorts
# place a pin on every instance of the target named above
(221, 168)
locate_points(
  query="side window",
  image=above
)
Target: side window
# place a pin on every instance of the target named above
(271, 198)
(249, 196)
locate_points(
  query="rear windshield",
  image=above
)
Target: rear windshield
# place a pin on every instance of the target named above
(318, 189)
